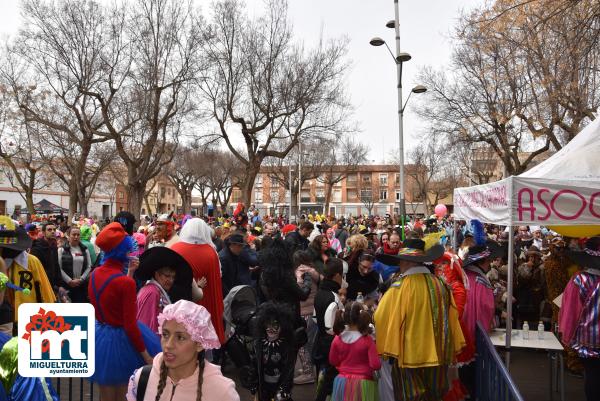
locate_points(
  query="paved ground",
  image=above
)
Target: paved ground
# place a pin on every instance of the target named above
(529, 369)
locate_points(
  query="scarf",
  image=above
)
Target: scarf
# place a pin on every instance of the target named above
(388, 251)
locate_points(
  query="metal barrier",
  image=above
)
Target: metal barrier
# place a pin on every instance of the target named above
(75, 389)
(493, 382)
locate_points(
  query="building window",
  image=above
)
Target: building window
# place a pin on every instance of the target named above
(351, 194)
(275, 196)
(383, 194)
(305, 196)
(398, 179)
(259, 180)
(337, 195)
(366, 194)
(383, 179)
(320, 195)
(121, 195)
(351, 178)
(163, 192)
(397, 196)
(258, 196)
(366, 178)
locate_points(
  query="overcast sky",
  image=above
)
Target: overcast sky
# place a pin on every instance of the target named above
(425, 28)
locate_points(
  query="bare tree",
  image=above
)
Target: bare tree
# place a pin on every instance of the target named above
(224, 174)
(182, 174)
(267, 90)
(554, 61)
(58, 51)
(310, 162)
(143, 94)
(340, 158)
(524, 79)
(366, 197)
(26, 171)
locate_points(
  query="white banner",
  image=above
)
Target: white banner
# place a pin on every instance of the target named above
(488, 203)
(556, 202)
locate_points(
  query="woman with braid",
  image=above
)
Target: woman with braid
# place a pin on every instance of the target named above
(180, 371)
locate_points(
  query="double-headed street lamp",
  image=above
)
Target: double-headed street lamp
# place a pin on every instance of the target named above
(399, 59)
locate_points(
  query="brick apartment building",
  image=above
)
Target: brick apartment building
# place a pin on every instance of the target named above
(377, 186)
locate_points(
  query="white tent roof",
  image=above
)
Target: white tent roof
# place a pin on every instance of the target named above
(579, 160)
(563, 190)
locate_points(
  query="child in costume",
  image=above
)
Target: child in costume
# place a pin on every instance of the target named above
(122, 344)
(271, 375)
(354, 355)
(180, 371)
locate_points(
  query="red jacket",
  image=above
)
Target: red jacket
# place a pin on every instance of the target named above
(117, 305)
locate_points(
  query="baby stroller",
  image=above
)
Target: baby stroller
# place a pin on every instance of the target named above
(240, 307)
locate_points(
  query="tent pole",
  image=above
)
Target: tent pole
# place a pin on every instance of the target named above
(509, 319)
(455, 236)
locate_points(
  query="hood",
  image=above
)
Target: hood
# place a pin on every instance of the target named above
(350, 336)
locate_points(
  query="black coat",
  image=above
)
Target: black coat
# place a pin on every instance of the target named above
(357, 282)
(47, 253)
(324, 297)
(234, 269)
(296, 242)
(282, 287)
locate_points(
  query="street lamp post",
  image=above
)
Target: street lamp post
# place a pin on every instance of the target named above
(399, 59)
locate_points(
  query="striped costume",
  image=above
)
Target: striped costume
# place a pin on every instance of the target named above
(579, 321)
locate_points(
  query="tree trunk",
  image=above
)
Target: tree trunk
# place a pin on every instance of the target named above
(135, 198)
(328, 192)
(83, 202)
(148, 209)
(73, 198)
(29, 201)
(247, 183)
(186, 201)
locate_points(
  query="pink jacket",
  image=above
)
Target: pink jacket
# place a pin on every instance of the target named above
(215, 386)
(354, 354)
(149, 305)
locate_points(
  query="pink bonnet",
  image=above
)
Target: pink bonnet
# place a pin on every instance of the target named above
(196, 320)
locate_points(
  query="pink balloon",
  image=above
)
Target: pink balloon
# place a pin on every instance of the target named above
(441, 210)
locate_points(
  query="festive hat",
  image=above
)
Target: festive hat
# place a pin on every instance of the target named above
(413, 251)
(483, 247)
(111, 236)
(13, 237)
(195, 319)
(590, 256)
(158, 257)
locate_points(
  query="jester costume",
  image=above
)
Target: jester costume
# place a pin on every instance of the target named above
(417, 327)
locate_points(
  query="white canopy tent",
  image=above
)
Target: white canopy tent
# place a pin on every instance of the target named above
(564, 190)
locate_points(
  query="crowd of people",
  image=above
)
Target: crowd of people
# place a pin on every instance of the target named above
(361, 308)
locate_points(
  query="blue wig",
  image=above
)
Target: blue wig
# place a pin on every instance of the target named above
(121, 251)
(478, 232)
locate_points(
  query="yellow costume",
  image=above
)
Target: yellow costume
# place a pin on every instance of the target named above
(416, 324)
(27, 271)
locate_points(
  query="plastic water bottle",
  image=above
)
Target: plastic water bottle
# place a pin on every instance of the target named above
(526, 331)
(360, 298)
(540, 330)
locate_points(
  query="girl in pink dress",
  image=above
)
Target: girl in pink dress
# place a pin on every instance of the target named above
(354, 355)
